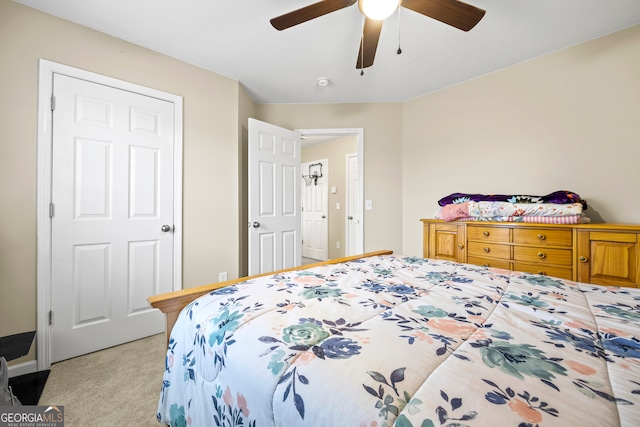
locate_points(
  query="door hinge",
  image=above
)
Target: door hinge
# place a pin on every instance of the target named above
(52, 210)
(53, 102)
(50, 317)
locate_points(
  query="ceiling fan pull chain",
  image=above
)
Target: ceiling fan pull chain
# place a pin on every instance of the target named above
(399, 50)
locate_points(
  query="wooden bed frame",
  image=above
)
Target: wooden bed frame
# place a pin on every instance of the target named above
(171, 303)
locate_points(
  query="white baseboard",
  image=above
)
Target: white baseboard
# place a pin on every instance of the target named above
(22, 368)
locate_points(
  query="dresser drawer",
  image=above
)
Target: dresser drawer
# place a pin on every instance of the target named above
(542, 255)
(563, 273)
(488, 249)
(487, 233)
(547, 237)
(489, 262)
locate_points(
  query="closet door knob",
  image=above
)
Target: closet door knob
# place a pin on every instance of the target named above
(583, 259)
(460, 246)
(256, 224)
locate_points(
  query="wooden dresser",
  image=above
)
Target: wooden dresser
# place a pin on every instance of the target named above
(604, 254)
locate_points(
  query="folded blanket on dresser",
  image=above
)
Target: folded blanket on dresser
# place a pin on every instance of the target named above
(493, 209)
(557, 197)
(571, 219)
(487, 210)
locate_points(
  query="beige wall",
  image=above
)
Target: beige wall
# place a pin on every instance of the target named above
(569, 120)
(211, 137)
(382, 124)
(336, 153)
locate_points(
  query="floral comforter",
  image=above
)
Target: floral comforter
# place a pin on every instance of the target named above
(405, 341)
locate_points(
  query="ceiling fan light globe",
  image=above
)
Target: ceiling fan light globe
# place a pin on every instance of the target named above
(378, 9)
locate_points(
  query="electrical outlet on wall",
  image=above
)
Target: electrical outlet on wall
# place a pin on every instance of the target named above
(337, 245)
(222, 277)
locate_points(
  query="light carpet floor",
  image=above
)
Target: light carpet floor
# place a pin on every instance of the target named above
(119, 386)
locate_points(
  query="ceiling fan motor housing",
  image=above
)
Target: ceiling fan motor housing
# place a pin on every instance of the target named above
(378, 9)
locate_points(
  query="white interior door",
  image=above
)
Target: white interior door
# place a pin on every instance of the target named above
(354, 211)
(274, 198)
(112, 215)
(315, 216)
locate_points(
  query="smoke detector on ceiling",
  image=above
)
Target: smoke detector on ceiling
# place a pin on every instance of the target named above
(323, 81)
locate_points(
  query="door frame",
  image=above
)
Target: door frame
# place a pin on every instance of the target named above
(46, 70)
(359, 134)
(347, 205)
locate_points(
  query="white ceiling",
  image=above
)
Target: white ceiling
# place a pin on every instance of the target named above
(235, 39)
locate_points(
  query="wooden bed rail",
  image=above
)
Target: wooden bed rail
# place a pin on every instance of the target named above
(171, 303)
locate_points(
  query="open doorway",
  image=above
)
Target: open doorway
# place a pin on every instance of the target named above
(343, 151)
(319, 135)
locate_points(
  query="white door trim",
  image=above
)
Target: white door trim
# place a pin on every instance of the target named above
(44, 153)
(348, 208)
(359, 134)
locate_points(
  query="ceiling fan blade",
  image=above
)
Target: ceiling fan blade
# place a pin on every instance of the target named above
(369, 43)
(452, 12)
(308, 13)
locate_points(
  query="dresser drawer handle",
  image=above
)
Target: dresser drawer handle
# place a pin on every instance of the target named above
(583, 259)
(542, 273)
(486, 249)
(542, 255)
(486, 233)
(541, 236)
(460, 246)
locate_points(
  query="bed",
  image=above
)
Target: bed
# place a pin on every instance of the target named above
(388, 340)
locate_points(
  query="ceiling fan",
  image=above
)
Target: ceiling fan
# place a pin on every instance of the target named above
(451, 12)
